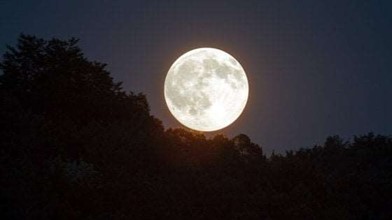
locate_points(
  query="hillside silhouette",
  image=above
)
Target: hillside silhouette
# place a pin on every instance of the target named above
(75, 145)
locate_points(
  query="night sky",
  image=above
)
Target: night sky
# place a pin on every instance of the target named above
(316, 68)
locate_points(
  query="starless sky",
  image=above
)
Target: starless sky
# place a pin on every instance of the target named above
(316, 68)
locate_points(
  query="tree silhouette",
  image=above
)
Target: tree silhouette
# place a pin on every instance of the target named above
(74, 145)
(64, 117)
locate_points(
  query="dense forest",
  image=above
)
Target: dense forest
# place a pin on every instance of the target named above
(75, 145)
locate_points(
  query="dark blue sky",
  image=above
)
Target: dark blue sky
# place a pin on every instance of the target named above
(316, 68)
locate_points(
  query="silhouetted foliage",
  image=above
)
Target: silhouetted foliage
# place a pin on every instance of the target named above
(74, 145)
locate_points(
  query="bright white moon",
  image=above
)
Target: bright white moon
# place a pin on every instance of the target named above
(206, 89)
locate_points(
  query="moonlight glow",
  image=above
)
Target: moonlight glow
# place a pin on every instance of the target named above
(206, 89)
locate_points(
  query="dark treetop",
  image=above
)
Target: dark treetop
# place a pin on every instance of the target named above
(74, 145)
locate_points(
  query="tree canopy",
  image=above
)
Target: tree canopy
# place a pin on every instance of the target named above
(75, 145)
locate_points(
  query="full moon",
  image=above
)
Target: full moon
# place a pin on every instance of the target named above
(206, 89)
